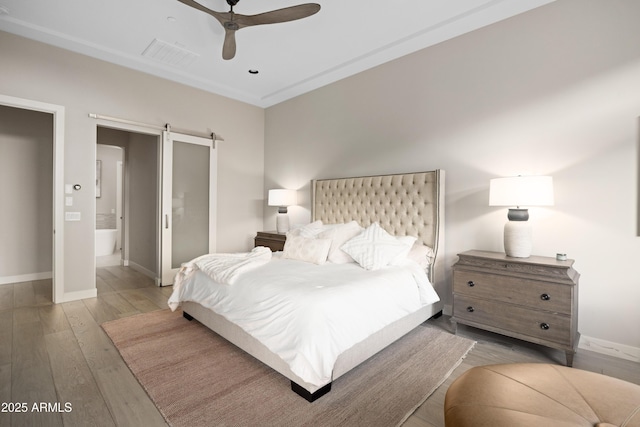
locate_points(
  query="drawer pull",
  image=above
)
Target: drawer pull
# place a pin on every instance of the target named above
(544, 326)
(545, 297)
(471, 284)
(470, 309)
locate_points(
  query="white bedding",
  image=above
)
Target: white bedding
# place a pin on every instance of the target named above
(225, 268)
(309, 314)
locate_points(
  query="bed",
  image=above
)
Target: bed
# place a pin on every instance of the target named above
(402, 205)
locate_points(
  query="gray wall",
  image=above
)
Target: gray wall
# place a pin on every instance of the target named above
(84, 85)
(26, 191)
(141, 202)
(552, 91)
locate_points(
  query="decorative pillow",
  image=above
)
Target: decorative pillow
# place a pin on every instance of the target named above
(374, 248)
(339, 235)
(306, 249)
(309, 230)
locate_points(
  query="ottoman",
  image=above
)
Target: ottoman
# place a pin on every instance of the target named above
(540, 395)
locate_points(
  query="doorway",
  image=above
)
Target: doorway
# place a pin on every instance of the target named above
(109, 196)
(32, 135)
(127, 201)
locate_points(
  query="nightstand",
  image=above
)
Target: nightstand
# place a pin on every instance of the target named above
(534, 299)
(271, 239)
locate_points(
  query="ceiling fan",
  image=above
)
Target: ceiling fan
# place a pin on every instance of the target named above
(232, 21)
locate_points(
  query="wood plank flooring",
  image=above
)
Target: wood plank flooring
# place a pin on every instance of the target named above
(58, 354)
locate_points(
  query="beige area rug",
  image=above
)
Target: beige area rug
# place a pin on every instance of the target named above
(197, 378)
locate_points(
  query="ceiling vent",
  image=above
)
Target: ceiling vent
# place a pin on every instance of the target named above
(169, 54)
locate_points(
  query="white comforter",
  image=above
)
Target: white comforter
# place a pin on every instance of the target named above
(309, 314)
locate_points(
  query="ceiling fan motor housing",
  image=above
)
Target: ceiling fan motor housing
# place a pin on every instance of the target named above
(230, 25)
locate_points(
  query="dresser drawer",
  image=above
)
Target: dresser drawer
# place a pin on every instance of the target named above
(511, 318)
(539, 267)
(525, 292)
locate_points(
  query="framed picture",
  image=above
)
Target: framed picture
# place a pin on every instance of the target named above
(98, 177)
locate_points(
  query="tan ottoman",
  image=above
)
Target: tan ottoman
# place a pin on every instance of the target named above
(540, 395)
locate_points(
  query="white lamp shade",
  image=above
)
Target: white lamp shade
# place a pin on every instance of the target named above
(521, 191)
(282, 197)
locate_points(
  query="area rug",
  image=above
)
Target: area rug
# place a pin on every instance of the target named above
(197, 378)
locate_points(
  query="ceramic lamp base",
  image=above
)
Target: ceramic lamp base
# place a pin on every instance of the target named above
(282, 223)
(518, 239)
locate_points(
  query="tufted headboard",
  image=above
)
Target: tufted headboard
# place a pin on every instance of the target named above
(403, 204)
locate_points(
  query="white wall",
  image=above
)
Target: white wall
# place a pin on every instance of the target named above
(553, 91)
(83, 85)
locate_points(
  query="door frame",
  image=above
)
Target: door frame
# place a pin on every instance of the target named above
(58, 112)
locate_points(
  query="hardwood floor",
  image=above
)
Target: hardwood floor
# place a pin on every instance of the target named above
(58, 354)
(493, 348)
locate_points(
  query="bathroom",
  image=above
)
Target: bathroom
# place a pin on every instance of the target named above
(108, 205)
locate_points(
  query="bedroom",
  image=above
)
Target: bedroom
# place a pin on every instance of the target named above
(462, 106)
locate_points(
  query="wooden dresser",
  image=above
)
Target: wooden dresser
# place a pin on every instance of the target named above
(271, 239)
(534, 299)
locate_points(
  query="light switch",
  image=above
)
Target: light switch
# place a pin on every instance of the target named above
(72, 216)
(68, 201)
(68, 188)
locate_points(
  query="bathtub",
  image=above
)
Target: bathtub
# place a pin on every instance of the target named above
(105, 241)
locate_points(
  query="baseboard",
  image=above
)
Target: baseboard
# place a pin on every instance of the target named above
(26, 277)
(141, 269)
(77, 295)
(610, 348)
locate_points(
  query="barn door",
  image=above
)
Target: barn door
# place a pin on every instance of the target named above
(188, 201)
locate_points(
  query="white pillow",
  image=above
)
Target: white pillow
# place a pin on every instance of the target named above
(374, 248)
(309, 230)
(422, 254)
(339, 235)
(306, 249)
(407, 242)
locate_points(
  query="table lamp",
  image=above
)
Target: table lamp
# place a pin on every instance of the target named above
(520, 192)
(282, 198)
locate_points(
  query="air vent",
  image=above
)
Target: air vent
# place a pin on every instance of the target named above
(169, 54)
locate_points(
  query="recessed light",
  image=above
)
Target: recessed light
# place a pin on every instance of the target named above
(171, 19)
(253, 71)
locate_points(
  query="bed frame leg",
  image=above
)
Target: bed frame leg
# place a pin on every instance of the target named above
(187, 316)
(310, 397)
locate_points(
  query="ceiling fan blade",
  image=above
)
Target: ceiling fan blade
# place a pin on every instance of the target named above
(229, 46)
(276, 16)
(222, 17)
(232, 21)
